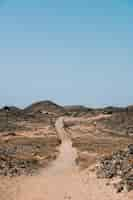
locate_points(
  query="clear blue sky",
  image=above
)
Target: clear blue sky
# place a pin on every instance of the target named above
(69, 51)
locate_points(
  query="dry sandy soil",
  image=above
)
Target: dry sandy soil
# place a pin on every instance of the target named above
(63, 179)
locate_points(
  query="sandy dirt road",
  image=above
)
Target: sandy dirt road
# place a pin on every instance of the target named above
(62, 179)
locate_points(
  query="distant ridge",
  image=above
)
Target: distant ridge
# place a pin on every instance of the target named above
(44, 106)
(52, 107)
(77, 108)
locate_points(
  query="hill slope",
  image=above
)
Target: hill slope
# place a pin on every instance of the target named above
(45, 106)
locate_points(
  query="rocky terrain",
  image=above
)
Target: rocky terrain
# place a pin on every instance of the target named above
(28, 139)
(23, 155)
(59, 144)
(118, 165)
(44, 112)
(121, 123)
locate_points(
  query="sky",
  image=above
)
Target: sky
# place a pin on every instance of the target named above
(70, 52)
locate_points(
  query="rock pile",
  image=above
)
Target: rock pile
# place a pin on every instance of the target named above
(26, 155)
(119, 164)
(11, 165)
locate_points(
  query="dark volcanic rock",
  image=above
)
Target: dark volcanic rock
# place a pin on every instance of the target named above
(119, 164)
(130, 148)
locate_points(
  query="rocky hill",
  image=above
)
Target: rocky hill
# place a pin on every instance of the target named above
(44, 107)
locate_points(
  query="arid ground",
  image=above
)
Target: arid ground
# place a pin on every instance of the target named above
(49, 152)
